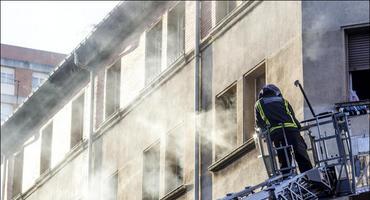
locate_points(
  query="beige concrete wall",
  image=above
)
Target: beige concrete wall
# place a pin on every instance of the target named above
(169, 108)
(68, 183)
(270, 32)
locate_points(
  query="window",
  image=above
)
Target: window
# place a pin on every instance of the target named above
(153, 52)
(38, 79)
(176, 33)
(358, 45)
(151, 173)
(17, 174)
(7, 80)
(7, 75)
(174, 161)
(226, 122)
(253, 83)
(112, 89)
(46, 139)
(77, 120)
(206, 18)
(110, 188)
(223, 8)
(6, 110)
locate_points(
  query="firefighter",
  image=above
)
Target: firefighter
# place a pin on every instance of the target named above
(272, 113)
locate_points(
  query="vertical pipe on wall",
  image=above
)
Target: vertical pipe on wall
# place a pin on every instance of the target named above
(90, 163)
(91, 136)
(196, 101)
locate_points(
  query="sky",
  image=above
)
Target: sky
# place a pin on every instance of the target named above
(57, 26)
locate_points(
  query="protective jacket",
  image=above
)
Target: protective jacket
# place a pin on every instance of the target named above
(274, 112)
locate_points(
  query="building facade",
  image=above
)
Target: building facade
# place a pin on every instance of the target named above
(158, 102)
(23, 70)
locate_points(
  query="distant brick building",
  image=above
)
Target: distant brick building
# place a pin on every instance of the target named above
(22, 71)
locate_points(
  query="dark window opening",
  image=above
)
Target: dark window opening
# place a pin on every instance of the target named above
(360, 83)
(77, 120)
(176, 33)
(153, 52)
(174, 161)
(151, 173)
(112, 89)
(223, 8)
(253, 83)
(46, 139)
(226, 122)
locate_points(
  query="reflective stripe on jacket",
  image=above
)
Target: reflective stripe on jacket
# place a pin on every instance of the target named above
(274, 113)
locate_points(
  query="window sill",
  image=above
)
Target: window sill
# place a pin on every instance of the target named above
(232, 156)
(176, 193)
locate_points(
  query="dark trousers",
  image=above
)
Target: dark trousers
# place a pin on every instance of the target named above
(299, 146)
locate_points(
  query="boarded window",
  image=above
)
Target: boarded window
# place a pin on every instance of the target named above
(174, 160)
(46, 139)
(358, 48)
(112, 89)
(77, 120)
(253, 83)
(153, 52)
(223, 8)
(151, 173)
(226, 122)
(176, 33)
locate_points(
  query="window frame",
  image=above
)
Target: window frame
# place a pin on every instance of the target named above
(10, 82)
(216, 155)
(178, 135)
(219, 19)
(49, 148)
(179, 33)
(117, 93)
(150, 77)
(81, 117)
(254, 73)
(156, 144)
(347, 30)
(40, 77)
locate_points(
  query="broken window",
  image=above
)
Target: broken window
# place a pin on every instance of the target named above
(112, 89)
(153, 52)
(223, 8)
(176, 33)
(253, 83)
(226, 122)
(358, 45)
(77, 120)
(151, 173)
(174, 160)
(46, 139)
(17, 173)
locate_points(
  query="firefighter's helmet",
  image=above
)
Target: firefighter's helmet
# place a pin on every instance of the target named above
(269, 89)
